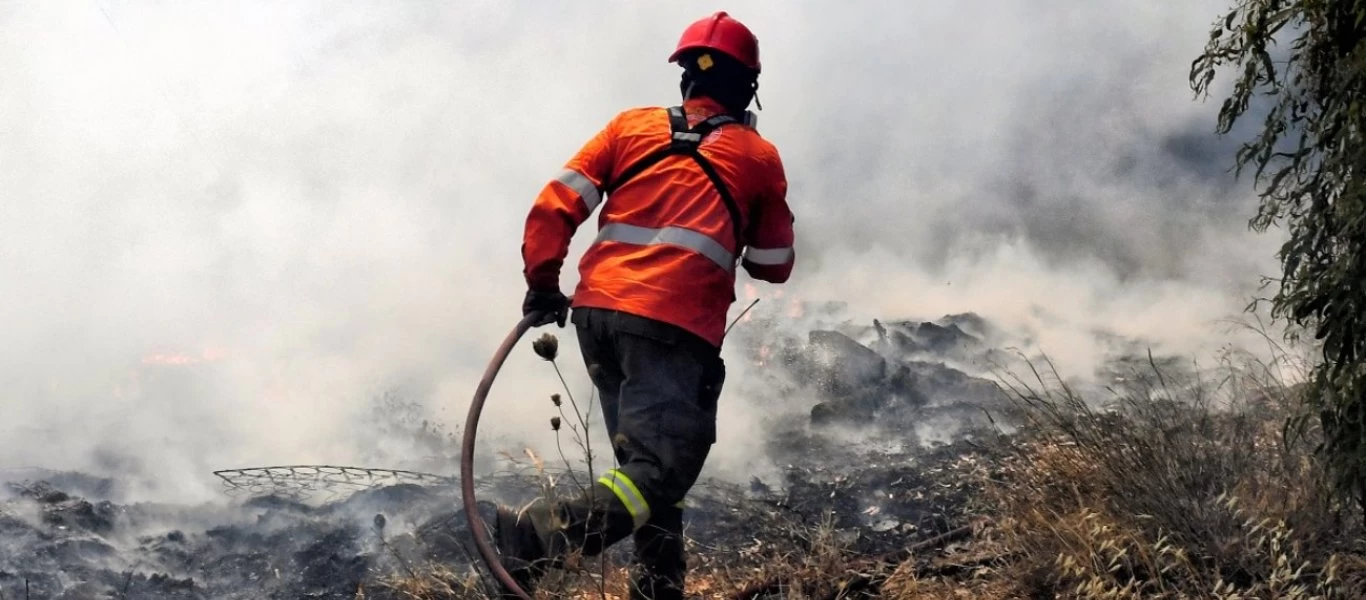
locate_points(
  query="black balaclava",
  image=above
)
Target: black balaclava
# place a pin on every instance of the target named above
(719, 77)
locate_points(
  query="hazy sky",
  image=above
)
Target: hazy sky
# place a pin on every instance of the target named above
(324, 200)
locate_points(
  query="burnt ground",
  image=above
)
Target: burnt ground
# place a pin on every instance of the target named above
(61, 545)
(68, 535)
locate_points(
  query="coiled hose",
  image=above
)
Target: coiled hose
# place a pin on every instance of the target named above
(481, 539)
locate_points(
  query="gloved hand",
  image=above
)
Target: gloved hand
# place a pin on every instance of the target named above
(551, 302)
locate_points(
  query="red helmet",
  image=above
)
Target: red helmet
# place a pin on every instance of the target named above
(723, 34)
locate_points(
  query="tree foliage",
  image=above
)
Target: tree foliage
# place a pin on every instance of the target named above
(1307, 60)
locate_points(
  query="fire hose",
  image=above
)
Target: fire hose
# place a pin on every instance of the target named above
(481, 539)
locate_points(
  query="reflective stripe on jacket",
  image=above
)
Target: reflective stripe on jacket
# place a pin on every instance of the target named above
(666, 247)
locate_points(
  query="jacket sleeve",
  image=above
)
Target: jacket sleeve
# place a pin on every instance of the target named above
(770, 254)
(562, 206)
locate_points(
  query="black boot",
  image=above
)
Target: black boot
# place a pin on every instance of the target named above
(540, 536)
(660, 563)
(588, 523)
(520, 549)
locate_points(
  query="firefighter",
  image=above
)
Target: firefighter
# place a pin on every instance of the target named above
(685, 194)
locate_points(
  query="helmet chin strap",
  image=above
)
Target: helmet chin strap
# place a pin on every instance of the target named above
(757, 104)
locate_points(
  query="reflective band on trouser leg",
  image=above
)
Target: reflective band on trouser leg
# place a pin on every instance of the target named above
(768, 256)
(674, 236)
(590, 193)
(629, 494)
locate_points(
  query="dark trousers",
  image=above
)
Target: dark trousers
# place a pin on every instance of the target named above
(658, 386)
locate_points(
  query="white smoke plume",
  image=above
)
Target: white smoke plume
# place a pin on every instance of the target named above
(226, 228)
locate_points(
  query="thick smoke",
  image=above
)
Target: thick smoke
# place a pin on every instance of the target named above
(228, 228)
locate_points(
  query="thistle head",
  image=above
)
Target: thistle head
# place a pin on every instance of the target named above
(547, 346)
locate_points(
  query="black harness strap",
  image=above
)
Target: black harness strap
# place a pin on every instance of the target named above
(684, 142)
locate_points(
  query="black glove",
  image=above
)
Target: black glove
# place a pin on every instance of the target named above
(553, 304)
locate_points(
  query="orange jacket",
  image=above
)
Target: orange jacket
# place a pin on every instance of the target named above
(665, 249)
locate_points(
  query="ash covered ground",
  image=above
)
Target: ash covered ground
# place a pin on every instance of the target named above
(890, 433)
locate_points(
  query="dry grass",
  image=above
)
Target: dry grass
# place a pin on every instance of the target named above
(430, 583)
(1177, 487)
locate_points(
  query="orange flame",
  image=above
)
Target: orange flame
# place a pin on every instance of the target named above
(208, 354)
(764, 353)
